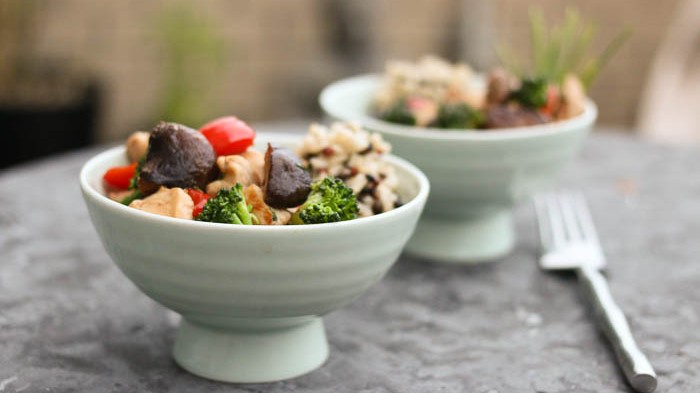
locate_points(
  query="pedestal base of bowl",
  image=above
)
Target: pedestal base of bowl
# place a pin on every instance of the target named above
(466, 241)
(251, 355)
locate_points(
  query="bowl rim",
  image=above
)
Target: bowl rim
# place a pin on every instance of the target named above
(372, 123)
(105, 203)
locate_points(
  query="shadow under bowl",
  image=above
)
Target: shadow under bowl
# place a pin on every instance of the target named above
(476, 176)
(251, 297)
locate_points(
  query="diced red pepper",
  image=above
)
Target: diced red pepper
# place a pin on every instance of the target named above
(199, 198)
(552, 103)
(228, 135)
(417, 103)
(120, 176)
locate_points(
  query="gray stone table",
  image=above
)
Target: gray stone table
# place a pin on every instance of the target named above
(70, 322)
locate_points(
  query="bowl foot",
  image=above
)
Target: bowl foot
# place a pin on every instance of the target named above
(474, 240)
(251, 356)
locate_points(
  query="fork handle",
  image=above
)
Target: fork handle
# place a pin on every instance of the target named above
(612, 322)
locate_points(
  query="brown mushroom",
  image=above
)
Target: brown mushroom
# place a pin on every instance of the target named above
(500, 84)
(507, 116)
(287, 182)
(178, 156)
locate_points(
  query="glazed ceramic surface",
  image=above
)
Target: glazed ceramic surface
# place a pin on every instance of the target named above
(476, 176)
(251, 296)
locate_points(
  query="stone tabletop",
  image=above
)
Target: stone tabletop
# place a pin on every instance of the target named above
(70, 322)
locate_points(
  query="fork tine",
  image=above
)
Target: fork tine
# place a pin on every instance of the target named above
(566, 202)
(543, 223)
(584, 218)
(555, 220)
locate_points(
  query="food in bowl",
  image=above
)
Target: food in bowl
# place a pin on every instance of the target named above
(477, 175)
(348, 152)
(251, 297)
(215, 175)
(433, 93)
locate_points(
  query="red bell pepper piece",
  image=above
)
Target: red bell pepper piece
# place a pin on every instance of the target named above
(199, 198)
(228, 135)
(553, 100)
(120, 176)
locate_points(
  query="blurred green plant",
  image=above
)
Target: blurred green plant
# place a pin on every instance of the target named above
(561, 49)
(194, 59)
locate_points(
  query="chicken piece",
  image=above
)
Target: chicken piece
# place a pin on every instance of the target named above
(254, 197)
(170, 202)
(118, 195)
(264, 213)
(573, 97)
(137, 145)
(280, 216)
(424, 111)
(245, 168)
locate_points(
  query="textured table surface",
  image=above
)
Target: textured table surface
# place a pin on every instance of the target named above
(70, 322)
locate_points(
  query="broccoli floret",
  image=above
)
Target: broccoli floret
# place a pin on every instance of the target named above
(459, 115)
(228, 207)
(399, 113)
(136, 194)
(532, 93)
(134, 182)
(330, 200)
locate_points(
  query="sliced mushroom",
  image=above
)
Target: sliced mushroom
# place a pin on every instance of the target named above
(507, 116)
(500, 84)
(287, 182)
(178, 156)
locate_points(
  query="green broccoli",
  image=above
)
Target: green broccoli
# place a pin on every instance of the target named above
(134, 182)
(459, 115)
(136, 194)
(228, 207)
(330, 200)
(399, 113)
(532, 93)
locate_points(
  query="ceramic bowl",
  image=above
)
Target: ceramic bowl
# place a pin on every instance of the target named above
(476, 177)
(251, 297)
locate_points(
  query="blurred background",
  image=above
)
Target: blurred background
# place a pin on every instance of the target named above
(76, 72)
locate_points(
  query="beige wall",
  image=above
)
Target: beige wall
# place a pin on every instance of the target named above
(619, 86)
(279, 53)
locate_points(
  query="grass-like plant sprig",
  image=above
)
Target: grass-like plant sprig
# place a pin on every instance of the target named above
(561, 49)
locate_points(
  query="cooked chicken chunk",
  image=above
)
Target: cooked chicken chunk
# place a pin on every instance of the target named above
(254, 197)
(118, 195)
(264, 213)
(245, 168)
(573, 97)
(171, 202)
(137, 145)
(281, 216)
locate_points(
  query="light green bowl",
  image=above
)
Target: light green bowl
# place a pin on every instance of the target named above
(476, 176)
(251, 297)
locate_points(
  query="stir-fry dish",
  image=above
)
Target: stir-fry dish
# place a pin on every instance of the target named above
(214, 174)
(435, 93)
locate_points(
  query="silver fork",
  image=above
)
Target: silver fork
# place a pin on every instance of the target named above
(569, 241)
